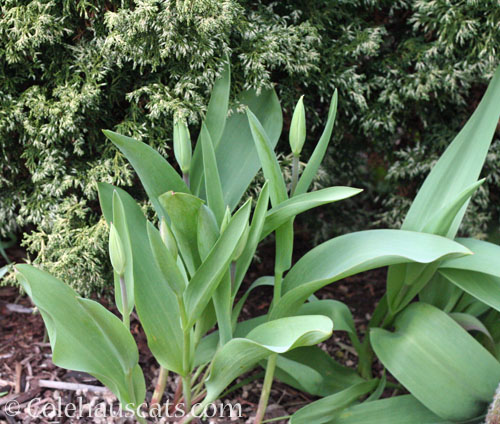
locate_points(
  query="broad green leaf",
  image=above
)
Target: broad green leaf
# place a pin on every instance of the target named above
(297, 375)
(396, 410)
(256, 226)
(471, 323)
(207, 231)
(262, 281)
(268, 160)
(208, 346)
(120, 223)
(284, 247)
(155, 302)
(405, 281)
(213, 188)
(442, 220)
(183, 210)
(280, 214)
(459, 166)
(492, 322)
(205, 323)
(156, 174)
(379, 391)
(222, 300)
(277, 190)
(484, 287)
(215, 121)
(314, 163)
(357, 252)
(84, 336)
(279, 336)
(441, 293)
(312, 370)
(337, 311)
(479, 275)
(166, 263)
(237, 158)
(483, 260)
(442, 365)
(323, 410)
(204, 282)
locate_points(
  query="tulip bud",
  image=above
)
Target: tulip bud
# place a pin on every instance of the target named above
(182, 146)
(116, 251)
(298, 128)
(168, 238)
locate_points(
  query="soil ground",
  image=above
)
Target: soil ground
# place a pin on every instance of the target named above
(26, 365)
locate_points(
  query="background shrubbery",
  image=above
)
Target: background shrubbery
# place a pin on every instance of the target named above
(409, 74)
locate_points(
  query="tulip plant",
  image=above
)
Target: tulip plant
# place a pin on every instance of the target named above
(183, 274)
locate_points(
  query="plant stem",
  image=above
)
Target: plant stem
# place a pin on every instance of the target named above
(125, 315)
(186, 390)
(196, 413)
(198, 373)
(365, 351)
(160, 386)
(295, 174)
(186, 356)
(185, 177)
(140, 419)
(272, 420)
(266, 388)
(203, 378)
(278, 276)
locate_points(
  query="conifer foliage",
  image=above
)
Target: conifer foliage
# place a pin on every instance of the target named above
(409, 73)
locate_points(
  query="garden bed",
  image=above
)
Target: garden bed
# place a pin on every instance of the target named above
(27, 369)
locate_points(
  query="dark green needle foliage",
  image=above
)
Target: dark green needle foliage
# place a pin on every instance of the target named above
(409, 74)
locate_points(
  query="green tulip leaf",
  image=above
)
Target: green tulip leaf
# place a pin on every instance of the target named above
(242, 354)
(183, 210)
(86, 337)
(155, 301)
(172, 275)
(280, 214)
(357, 252)
(213, 187)
(204, 282)
(312, 370)
(314, 163)
(396, 410)
(156, 174)
(237, 158)
(459, 166)
(215, 121)
(322, 411)
(442, 365)
(258, 218)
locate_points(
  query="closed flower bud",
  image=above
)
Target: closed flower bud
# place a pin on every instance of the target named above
(168, 238)
(298, 128)
(116, 251)
(182, 146)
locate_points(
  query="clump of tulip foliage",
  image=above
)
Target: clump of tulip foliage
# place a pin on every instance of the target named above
(437, 329)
